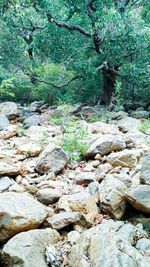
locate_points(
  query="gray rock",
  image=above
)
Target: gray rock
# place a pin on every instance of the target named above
(4, 122)
(85, 178)
(140, 114)
(19, 212)
(143, 244)
(139, 197)
(128, 124)
(33, 120)
(27, 249)
(52, 159)
(9, 109)
(111, 194)
(63, 219)
(5, 183)
(101, 246)
(104, 144)
(145, 171)
(93, 188)
(48, 195)
(131, 233)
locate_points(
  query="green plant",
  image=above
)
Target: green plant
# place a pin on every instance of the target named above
(21, 131)
(74, 142)
(144, 126)
(118, 97)
(26, 155)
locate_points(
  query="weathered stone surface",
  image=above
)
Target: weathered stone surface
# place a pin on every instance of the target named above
(145, 171)
(33, 120)
(125, 158)
(10, 168)
(30, 148)
(85, 178)
(27, 249)
(100, 246)
(102, 170)
(131, 233)
(42, 133)
(111, 193)
(101, 127)
(9, 109)
(53, 159)
(48, 195)
(4, 122)
(128, 124)
(10, 131)
(5, 183)
(63, 219)
(139, 197)
(19, 212)
(80, 202)
(105, 144)
(143, 244)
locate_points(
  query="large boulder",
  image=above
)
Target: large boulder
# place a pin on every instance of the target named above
(48, 195)
(101, 127)
(128, 124)
(101, 246)
(27, 249)
(145, 171)
(52, 159)
(33, 120)
(140, 114)
(4, 122)
(19, 212)
(125, 158)
(105, 144)
(111, 193)
(139, 197)
(9, 109)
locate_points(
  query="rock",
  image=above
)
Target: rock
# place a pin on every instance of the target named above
(100, 246)
(119, 115)
(111, 194)
(143, 244)
(16, 188)
(5, 183)
(10, 131)
(18, 213)
(80, 202)
(4, 122)
(73, 236)
(10, 168)
(85, 178)
(9, 109)
(48, 195)
(145, 171)
(140, 114)
(42, 133)
(139, 197)
(102, 170)
(33, 120)
(28, 248)
(105, 144)
(30, 148)
(93, 188)
(145, 222)
(63, 219)
(125, 158)
(101, 127)
(52, 159)
(128, 124)
(131, 233)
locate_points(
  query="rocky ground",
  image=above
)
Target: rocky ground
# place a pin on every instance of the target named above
(92, 211)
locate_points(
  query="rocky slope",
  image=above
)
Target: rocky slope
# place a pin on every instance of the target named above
(80, 213)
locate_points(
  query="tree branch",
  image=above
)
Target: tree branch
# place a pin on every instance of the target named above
(55, 86)
(62, 24)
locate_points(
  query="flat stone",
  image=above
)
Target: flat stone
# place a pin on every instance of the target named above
(128, 124)
(33, 120)
(101, 127)
(85, 178)
(139, 197)
(27, 249)
(48, 195)
(63, 219)
(30, 148)
(10, 131)
(9, 109)
(5, 183)
(19, 212)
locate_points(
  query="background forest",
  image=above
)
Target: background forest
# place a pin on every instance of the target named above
(75, 51)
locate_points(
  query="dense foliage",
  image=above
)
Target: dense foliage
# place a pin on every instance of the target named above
(75, 50)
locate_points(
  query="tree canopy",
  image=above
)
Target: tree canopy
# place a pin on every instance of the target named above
(75, 50)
